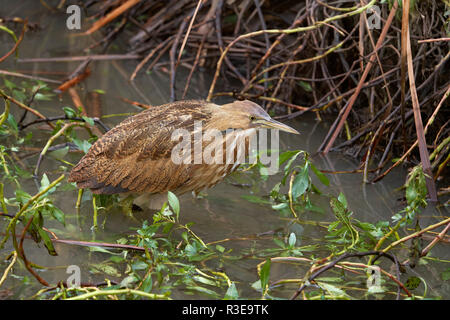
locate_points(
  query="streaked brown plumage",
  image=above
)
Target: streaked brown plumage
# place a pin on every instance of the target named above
(135, 156)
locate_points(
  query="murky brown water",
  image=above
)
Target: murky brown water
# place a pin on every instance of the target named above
(223, 213)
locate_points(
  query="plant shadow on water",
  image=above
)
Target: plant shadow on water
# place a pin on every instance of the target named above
(248, 237)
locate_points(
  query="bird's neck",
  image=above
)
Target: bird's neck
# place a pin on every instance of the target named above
(223, 118)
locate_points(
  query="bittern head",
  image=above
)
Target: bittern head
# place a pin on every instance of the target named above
(246, 115)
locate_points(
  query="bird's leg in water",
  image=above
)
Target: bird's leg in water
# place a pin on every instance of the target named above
(139, 202)
(80, 196)
(94, 205)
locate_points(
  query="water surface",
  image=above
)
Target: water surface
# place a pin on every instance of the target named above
(223, 213)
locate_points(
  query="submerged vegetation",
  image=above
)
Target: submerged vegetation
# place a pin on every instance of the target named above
(290, 51)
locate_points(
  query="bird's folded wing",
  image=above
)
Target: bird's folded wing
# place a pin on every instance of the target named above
(135, 156)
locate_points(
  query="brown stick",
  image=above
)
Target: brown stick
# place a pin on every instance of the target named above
(99, 244)
(345, 256)
(138, 104)
(77, 100)
(24, 258)
(148, 57)
(110, 16)
(188, 30)
(10, 52)
(403, 67)
(100, 57)
(430, 121)
(20, 104)
(424, 155)
(438, 238)
(194, 66)
(79, 74)
(25, 76)
(173, 67)
(433, 40)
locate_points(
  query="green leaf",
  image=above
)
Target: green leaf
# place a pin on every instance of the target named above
(264, 172)
(184, 235)
(288, 165)
(106, 269)
(47, 242)
(410, 193)
(44, 182)
(311, 207)
(23, 173)
(12, 122)
(292, 240)
(167, 227)
(19, 95)
(256, 285)
(70, 113)
(100, 249)
(375, 289)
(190, 250)
(10, 85)
(342, 199)
(21, 196)
(128, 281)
(147, 284)
(232, 293)
(58, 215)
(412, 283)
(203, 290)
(366, 226)
(330, 279)
(82, 145)
(339, 209)
(305, 85)
(88, 120)
(41, 84)
(287, 155)
(446, 275)
(255, 199)
(279, 243)
(43, 97)
(174, 203)
(59, 153)
(320, 175)
(264, 275)
(280, 206)
(382, 224)
(116, 259)
(332, 290)
(301, 182)
(396, 217)
(275, 191)
(204, 280)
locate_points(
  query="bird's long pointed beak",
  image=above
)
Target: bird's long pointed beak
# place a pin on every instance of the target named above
(273, 124)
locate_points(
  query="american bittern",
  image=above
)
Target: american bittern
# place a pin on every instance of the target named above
(136, 156)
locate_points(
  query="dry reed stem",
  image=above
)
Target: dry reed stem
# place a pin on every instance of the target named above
(110, 16)
(278, 31)
(424, 155)
(352, 100)
(16, 45)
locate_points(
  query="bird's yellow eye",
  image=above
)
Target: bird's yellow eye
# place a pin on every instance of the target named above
(252, 118)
